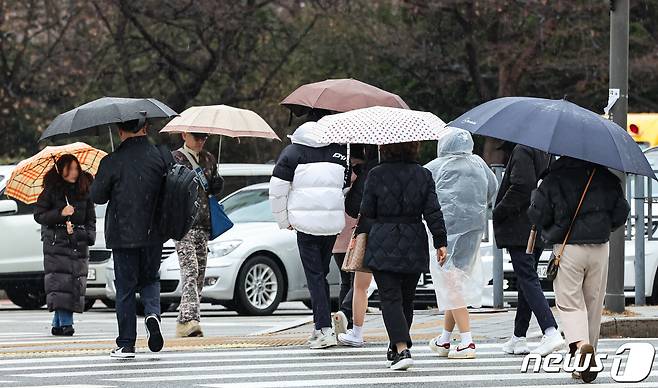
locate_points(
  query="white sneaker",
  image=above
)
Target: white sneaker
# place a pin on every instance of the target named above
(441, 349)
(313, 336)
(339, 321)
(516, 346)
(325, 339)
(350, 339)
(549, 344)
(463, 352)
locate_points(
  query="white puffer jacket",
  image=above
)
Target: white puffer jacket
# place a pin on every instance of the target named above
(306, 189)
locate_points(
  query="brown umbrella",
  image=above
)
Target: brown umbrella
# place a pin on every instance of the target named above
(340, 95)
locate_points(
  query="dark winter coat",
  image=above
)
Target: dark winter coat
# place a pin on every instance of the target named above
(555, 201)
(208, 164)
(65, 257)
(397, 195)
(354, 196)
(130, 178)
(510, 219)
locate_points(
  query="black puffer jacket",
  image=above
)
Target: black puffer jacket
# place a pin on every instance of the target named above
(510, 220)
(65, 258)
(397, 195)
(130, 178)
(555, 201)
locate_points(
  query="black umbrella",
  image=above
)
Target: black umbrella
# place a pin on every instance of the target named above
(558, 127)
(97, 115)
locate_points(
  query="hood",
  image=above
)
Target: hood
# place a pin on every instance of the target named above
(455, 142)
(308, 134)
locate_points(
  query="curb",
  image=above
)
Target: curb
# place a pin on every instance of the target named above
(637, 327)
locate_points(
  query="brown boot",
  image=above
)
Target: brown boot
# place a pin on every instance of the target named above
(587, 375)
(188, 329)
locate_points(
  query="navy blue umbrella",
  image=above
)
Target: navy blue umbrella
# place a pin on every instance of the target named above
(558, 127)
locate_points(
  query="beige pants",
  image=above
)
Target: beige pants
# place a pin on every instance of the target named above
(580, 290)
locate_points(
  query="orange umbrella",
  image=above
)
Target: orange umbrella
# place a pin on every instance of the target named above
(26, 181)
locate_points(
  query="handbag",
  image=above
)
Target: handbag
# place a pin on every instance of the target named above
(554, 261)
(356, 252)
(219, 221)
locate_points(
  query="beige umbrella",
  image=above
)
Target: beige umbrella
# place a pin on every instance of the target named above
(221, 120)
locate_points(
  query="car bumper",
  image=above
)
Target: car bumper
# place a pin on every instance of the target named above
(96, 280)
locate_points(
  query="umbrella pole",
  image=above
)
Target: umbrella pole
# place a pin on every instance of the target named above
(219, 151)
(109, 129)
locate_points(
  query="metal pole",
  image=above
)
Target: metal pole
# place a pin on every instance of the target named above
(619, 16)
(640, 294)
(498, 293)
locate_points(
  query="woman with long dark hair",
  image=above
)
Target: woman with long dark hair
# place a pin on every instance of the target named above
(66, 213)
(398, 194)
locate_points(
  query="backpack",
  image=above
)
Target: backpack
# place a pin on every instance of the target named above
(178, 202)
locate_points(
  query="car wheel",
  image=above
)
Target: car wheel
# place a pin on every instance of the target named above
(109, 303)
(259, 287)
(89, 303)
(30, 296)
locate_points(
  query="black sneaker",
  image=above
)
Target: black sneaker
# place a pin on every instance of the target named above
(125, 352)
(403, 361)
(57, 331)
(67, 331)
(154, 333)
(390, 356)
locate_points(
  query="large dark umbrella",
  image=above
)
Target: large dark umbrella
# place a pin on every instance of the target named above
(96, 116)
(558, 127)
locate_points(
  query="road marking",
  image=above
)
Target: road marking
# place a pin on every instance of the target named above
(405, 379)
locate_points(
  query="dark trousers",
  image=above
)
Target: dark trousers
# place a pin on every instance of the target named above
(346, 289)
(396, 294)
(531, 298)
(136, 270)
(315, 252)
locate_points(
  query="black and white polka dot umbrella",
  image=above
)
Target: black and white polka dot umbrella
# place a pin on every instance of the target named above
(380, 125)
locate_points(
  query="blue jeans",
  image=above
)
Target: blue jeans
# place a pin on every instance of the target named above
(62, 318)
(531, 299)
(136, 270)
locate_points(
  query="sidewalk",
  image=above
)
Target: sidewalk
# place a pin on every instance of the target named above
(487, 326)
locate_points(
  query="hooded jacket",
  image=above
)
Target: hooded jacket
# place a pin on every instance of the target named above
(306, 189)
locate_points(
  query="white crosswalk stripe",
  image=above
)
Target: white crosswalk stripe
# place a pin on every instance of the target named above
(293, 367)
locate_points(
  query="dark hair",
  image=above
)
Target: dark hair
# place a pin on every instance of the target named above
(130, 126)
(316, 114)
(54, 180)
(407, 152)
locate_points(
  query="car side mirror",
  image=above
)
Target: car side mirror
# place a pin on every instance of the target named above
(8, 207)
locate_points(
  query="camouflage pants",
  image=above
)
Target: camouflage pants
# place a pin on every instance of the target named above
(192, 255)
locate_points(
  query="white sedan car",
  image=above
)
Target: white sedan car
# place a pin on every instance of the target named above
(251, 268)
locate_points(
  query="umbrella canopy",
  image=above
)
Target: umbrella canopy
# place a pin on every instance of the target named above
(380, 125)
(26, 181)
(558, 127)
(221, 120)
(98, 114)
(340, 95)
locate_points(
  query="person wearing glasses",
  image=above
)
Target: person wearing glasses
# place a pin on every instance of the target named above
(193, 248)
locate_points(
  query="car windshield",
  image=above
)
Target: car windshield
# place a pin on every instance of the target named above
(249, 206)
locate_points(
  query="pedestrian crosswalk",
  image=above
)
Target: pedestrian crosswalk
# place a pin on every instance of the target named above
(291, 367)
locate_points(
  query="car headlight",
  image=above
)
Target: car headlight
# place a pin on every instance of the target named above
(223, 248)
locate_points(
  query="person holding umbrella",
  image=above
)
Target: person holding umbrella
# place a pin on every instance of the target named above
(306, 195)
(130, 179)
(193, 248)
(66, 213)
(578, 205)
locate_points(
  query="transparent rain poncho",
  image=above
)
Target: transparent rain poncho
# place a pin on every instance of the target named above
(465, 186)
